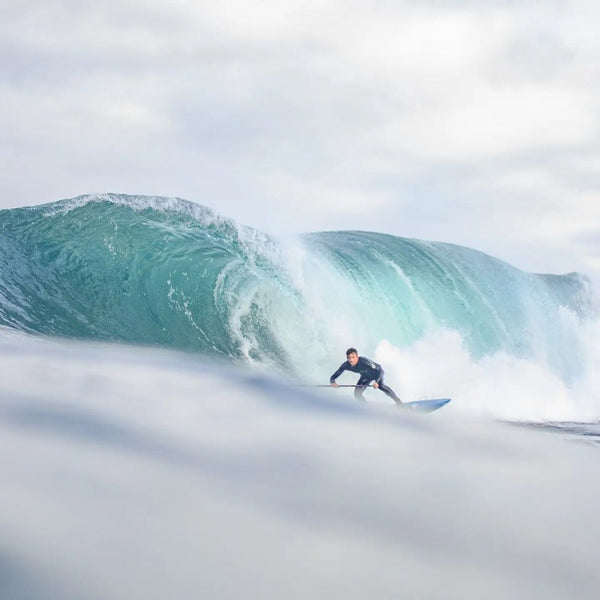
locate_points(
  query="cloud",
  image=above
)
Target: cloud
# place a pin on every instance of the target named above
(412, 118)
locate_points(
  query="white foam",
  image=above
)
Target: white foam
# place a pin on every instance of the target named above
(499, 385)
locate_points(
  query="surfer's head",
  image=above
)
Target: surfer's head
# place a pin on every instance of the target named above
(352, 356)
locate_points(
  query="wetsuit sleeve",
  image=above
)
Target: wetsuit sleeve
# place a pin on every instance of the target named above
(342, 368)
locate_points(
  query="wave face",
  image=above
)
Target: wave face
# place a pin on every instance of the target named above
(172, 273)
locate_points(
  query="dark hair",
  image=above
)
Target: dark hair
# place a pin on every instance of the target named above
(351, 351)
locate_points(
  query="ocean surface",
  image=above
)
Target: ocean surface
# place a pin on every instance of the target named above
(162, 435)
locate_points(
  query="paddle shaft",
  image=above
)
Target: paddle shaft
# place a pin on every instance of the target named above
(342, 385)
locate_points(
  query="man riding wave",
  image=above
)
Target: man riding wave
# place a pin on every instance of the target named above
(369, 371)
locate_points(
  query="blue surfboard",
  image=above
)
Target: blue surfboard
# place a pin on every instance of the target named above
(427, 405)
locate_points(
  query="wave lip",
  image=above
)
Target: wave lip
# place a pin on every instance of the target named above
(126, 268)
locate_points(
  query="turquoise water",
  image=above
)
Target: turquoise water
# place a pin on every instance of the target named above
(168, 272)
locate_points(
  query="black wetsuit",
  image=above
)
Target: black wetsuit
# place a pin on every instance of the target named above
(369, 371)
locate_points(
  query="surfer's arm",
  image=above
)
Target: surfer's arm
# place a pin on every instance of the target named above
(342, 368)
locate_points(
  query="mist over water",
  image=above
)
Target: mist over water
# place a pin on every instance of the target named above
(142, 472)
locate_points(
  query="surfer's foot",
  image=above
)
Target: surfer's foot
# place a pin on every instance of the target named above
(404, 405)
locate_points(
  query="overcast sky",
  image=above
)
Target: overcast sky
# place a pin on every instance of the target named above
(473, 122)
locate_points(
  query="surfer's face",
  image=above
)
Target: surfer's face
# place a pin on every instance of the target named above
(352, 358)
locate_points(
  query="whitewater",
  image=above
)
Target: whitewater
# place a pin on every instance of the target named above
(162, 436)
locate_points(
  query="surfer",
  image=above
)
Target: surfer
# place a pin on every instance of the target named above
(369, 371)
